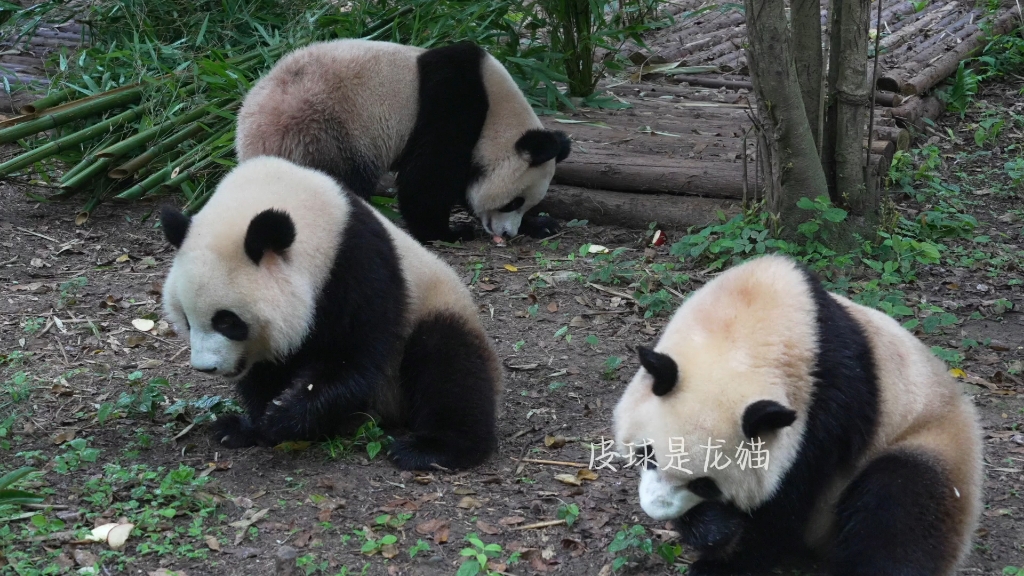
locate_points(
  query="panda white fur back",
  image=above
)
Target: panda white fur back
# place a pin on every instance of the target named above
(874, 455)
(323, 310)
(450, 120)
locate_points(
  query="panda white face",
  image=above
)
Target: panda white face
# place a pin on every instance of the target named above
(526, 189)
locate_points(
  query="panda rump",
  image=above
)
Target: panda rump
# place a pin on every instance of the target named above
(325, 311)
(450, 120)
(872, 453)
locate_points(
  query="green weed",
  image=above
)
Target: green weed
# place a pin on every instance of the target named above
(477, 554)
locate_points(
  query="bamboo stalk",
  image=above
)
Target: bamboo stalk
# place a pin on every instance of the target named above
(48, 101)
(57, 146)
(127, 145)
(65, 106)
(157, 178)
(137, 163)
(76, 113)
(88, 158)
(75, 182)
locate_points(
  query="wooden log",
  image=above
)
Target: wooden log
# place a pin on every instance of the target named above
(884, 148)
(634, 210)
(726, 48)
(888, 98)
(916, 77)
(707, 82)
(938, 43)
(611, 170)
(910, 31)
(946, 65)
(900, 137)
(915, 110)
(704, 43)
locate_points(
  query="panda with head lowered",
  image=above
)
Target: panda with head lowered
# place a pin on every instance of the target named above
(450, 120)
(323, 311)
(868, 455)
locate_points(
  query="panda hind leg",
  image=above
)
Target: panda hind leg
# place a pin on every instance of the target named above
(449, 382)
(900, 516)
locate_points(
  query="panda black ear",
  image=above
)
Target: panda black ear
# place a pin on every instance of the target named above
(543, 145)
(766, 416)
(662, 367)
(175, 225)
(271, 230)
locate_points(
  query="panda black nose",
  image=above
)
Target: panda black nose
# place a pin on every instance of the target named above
(207, 370)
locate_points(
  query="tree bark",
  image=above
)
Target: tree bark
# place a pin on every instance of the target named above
(805, 17)
(850, 45)
(788, 156)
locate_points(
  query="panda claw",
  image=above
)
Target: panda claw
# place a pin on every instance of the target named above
(278, 402)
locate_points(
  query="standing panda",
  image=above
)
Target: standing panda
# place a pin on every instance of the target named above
(871, 456)
(450, 121)
(322, 310)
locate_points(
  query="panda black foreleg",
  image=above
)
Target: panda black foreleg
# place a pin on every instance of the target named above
(260, 385)
(536, 226)
(315, 407)
(449, 384)
(900, 516)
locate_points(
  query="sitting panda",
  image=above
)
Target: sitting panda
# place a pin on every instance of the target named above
(322, 310)
(449, 120)
(866, 452)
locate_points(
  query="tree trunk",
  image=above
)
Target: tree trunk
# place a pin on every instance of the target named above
(805, 16)
(788, 156)
(850, 46)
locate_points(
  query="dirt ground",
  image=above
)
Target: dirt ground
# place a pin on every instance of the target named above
(70, 353)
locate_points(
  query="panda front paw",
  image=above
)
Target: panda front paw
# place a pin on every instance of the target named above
(234, 431)
(285, 418)
(539, 226)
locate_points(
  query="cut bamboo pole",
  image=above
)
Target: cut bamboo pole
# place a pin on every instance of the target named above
(129, 144)
(88, 158)
(48, 101)
(65, 106)
(70, 115)
(156, 179)
(74, 183)
(137, 163)
(58, 146)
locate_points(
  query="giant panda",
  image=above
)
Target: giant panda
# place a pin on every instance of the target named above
(868, 456)
(449, 120)
(321, 311)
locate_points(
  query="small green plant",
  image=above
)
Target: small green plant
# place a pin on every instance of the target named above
(18, 388)
(308, 564)
(961, 94)
(1013, 571)
(32, 325)
(69, 291)
(204, 409)
(144, 398)
(592, 340)
(563, 332)
(1015, 170)
(519, 345)
(13, 496)
(371, 546)
(477, 555)
(75, 455)
(987, 131)
(653, 304)
(373, 437)
(630, 541)
(611, 365)
(568, 512)
(393, 521)
(420, 546)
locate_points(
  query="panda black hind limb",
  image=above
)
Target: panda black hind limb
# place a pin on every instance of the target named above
(450, 120)
(322, 310)
(812, 427)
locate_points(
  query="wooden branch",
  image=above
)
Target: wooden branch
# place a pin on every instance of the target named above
(544, 524)
(634, 210)
(915, 110)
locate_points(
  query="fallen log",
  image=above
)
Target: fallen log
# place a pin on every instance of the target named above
(634, 210)
(706, 82)
(888, 98)
(908, 32)
(915, 110)
(918, 76)
(965, 26)
(900, 137)
(612, 170)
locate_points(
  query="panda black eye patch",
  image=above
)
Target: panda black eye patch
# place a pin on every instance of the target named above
(513, 205)
(705, 488)
(230, 325)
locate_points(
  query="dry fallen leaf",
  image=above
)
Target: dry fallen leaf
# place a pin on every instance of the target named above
(389, 551)
(597, 249)
(212, 543)
(487, 528)
(65, 436)
(430, 526)
(469, 503)
(568, 479)
(122, 258)
(85, 558)
(143, 324)
(553, 307)
(118, 535)
(511, 268)
(249, 518)
(511, 520)
(485, 286)
(166, 572)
